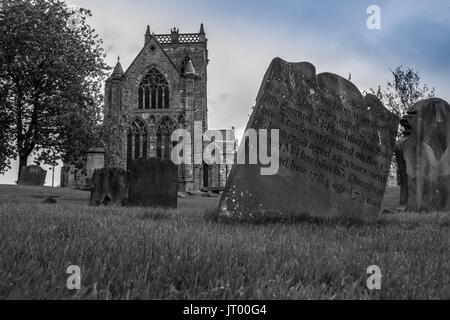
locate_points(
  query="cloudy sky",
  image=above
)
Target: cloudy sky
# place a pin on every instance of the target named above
(244, 36)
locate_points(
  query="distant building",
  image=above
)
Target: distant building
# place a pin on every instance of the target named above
(73, 177)
(214, 177)
(164, 89)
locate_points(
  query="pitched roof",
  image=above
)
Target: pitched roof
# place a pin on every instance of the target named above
(118, 68)
(149, 43)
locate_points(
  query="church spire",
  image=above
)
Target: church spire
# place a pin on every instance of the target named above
(202, 33)
(118, 68)
(148, 35)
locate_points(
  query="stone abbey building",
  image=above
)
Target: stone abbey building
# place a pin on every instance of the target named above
(164, 89)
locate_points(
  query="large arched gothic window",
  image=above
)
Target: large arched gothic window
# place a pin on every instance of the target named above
(153, 91)
(137, 141)
(164, 132)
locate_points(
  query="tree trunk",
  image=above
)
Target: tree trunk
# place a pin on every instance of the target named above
(22, 163)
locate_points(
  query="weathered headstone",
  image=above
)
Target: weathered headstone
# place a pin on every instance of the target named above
(335, 149)
(109, 186)
(95, 159)
(423, 157)
(153, 183)
(32, 176)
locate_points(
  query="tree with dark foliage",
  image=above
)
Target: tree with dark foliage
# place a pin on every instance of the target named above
(51, 70)
(401, 94)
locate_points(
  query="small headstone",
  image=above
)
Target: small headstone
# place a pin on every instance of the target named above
(423, 157)
(153, 183)
(109, 187)
(32, 176)
(335, 149)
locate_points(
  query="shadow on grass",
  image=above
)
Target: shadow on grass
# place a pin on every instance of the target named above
(43, 196)
(293, 219)
(382, 222)
(155, 214)
(445, 224)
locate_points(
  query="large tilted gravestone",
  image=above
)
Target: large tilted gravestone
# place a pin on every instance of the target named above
(335, 149)
(109, 186)
(32, 176)
(153, 183)
(423, 156)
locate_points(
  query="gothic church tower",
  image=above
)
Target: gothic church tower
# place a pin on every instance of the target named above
(164, 88)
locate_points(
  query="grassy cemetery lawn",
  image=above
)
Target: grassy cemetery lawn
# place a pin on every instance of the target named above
(131, 253)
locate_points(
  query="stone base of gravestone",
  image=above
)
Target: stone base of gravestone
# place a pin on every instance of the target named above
(32, 176)
(153, 183)
(335, 149)
(109, 186)
(423, 156)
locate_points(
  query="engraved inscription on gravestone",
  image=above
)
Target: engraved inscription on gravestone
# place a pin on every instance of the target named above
(335, 149)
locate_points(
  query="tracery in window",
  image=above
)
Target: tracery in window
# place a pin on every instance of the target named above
(164, 132)
(137, 141)
(153, 92)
